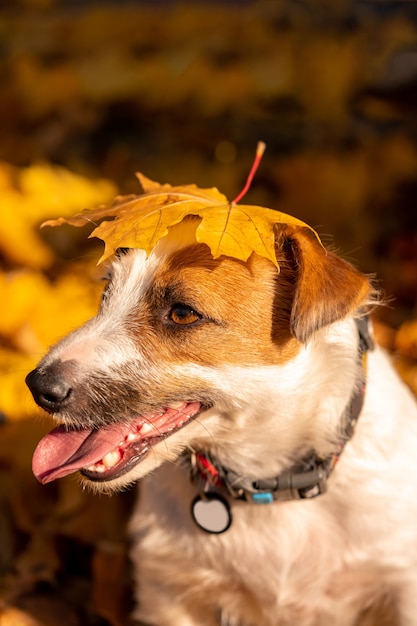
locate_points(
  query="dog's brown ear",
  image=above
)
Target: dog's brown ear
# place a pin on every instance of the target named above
(327, 288)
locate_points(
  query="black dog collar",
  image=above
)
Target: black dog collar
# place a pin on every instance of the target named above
(307, 479)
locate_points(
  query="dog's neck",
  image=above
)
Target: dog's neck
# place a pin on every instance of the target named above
(308, 476)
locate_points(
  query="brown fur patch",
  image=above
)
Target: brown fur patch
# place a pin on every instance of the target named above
(327, 288)
(245, 319)
(250, 313)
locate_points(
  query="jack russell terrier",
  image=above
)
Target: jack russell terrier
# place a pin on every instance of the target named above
(277, 445)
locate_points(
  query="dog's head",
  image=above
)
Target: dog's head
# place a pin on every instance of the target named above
(184, 351)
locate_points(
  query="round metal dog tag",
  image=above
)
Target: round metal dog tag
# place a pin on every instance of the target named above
(211, 512)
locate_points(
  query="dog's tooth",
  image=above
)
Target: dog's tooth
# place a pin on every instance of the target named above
(176, 405)
(96, 468)
(146, 428)
(111, 458)
(131, 437)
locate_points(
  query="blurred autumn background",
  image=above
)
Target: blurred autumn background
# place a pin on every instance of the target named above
(92, 92)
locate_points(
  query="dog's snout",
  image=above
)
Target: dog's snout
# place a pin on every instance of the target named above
(52, 386)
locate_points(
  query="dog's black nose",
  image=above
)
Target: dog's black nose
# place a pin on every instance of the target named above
(51, 386)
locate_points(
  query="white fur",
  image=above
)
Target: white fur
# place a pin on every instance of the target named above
(321, 562)
(316, 562)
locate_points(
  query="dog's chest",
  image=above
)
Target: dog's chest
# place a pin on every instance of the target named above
(274, 559)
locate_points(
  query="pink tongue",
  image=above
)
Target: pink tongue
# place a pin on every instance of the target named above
(63, 451)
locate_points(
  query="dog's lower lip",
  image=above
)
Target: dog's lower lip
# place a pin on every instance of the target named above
(118, 470)
(133, 454)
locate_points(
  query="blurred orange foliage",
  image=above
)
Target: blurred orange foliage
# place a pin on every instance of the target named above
(42, 298)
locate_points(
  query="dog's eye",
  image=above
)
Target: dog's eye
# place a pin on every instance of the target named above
(183, 314)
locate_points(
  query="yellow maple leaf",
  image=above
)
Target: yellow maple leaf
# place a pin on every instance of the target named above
(140, 221)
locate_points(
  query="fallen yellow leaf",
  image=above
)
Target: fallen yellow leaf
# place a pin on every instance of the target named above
(140, 221)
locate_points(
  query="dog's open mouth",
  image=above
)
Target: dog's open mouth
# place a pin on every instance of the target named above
(107, 453)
